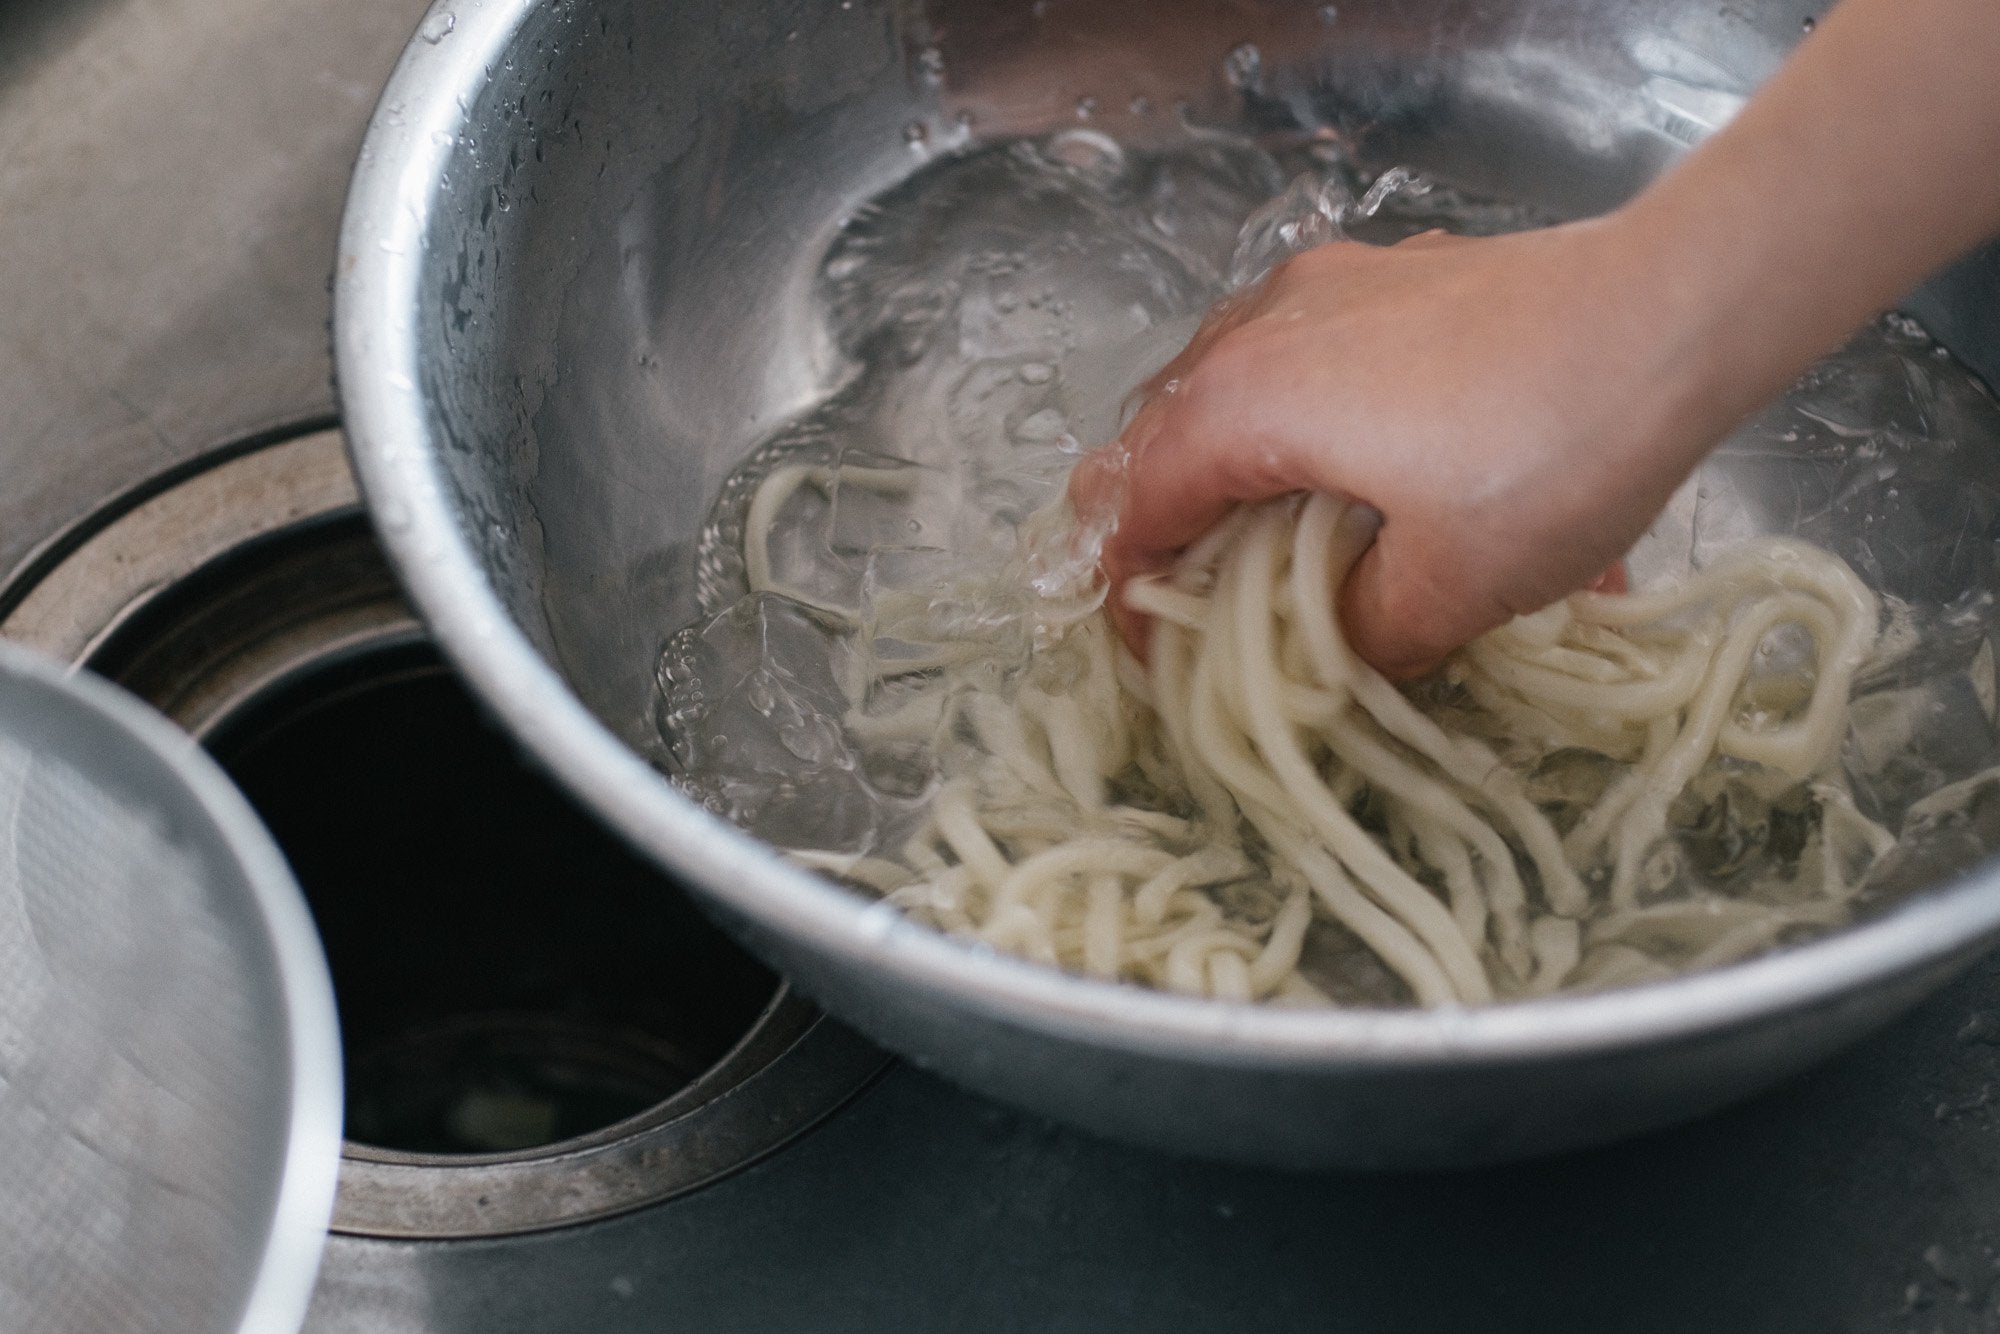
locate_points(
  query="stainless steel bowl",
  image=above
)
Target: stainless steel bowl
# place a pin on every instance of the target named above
(574, 288)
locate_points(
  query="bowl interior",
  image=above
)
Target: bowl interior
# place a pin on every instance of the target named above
(622, 211)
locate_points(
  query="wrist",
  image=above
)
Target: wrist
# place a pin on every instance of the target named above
(1689, 346)
(1723, 317)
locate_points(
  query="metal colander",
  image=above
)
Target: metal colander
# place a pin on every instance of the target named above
(169, 1064)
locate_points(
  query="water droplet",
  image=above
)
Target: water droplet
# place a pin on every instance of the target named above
(1086, 107)
(437, 27)
(1980, 1027)
(1041, 427)
(1243, 68)
(1808, 24)
(916, 134)
(1141, 105)
(1090, 152)
(930, 65)
(1037, 372)
(1329, 15)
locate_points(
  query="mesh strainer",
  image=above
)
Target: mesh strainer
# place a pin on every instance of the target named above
(169, 1065)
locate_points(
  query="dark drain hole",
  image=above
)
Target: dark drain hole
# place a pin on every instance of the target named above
(508, 974)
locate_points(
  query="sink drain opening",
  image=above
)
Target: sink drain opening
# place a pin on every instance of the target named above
(509, 975)
(540, 1027)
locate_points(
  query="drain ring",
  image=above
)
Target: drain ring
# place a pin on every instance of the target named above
(270, 544)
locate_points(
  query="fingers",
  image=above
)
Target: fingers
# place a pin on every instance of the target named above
(1097, 483)
(1096, 494)
(1403, 615)
(1175, 490)
(1175, 473)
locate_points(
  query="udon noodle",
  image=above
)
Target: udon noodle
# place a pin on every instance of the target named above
(1189, 823)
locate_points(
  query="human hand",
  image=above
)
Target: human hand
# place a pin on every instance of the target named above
(1513, 409)
(1518, 408)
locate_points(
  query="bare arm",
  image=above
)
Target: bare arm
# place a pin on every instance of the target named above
(1518, 409)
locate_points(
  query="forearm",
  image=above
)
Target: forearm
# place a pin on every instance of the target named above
(1869, 161)
(1518, 408)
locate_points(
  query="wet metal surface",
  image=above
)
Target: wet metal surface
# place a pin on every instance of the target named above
(171, 173)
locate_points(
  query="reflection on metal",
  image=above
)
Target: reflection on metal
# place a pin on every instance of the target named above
(791, 1070)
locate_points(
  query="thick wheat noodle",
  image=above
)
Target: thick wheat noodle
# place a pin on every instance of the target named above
(1642, 823)
(1454, 863)
(1104, 927)
(1648, 698)
(1558, 948)
(1078, 857)
(1423, 796)
(780, 486)
(1328, 538)
(1391, 885)
(1257, 719)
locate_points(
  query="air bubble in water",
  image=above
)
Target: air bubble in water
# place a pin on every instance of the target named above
(1042, 427)
(1243, 68)
(1094, 154)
